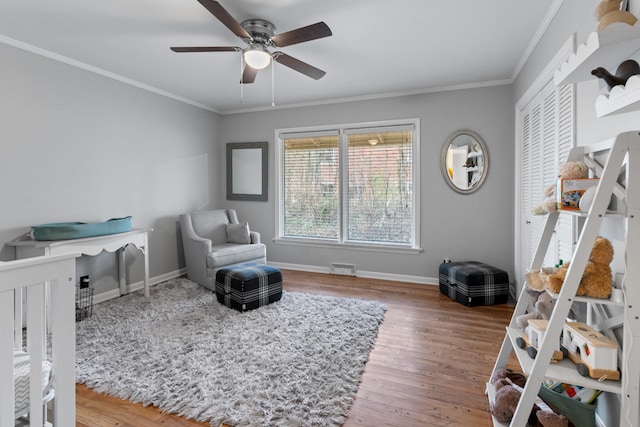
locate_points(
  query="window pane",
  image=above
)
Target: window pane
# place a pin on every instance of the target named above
(311, 187)
(380, 206)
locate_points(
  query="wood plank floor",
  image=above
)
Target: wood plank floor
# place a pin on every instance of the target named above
(429, 365)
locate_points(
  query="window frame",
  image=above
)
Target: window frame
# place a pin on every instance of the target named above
(342, 131)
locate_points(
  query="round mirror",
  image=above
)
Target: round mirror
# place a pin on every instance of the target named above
(465, 161)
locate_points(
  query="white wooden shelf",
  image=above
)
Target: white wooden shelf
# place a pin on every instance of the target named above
(623, 157)
(608, 301)
(621, 99)
(606, 48)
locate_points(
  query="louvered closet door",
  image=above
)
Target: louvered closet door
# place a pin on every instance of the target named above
(547, 136)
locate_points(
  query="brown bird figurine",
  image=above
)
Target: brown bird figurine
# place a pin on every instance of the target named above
(625, 70)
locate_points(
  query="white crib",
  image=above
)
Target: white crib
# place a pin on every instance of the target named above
(47, 283)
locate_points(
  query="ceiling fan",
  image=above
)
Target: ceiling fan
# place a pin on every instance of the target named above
(259, 35)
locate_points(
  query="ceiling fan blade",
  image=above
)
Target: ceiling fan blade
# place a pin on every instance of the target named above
(249, 75)
(206, 49)
(296, 64)
(304, 34)
(223, 16)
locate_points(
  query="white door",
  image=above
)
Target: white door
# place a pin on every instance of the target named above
(547, 135)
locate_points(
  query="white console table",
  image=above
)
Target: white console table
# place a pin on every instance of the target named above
(92, 246)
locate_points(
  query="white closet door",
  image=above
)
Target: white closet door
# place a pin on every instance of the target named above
(566, 227)
(547, 136)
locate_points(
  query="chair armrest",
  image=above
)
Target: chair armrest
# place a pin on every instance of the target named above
(195, 249)
(254, 236)
(199, 243)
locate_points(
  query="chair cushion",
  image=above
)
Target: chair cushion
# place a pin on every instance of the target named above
(232, 253)
(238, 233)
(211, 225)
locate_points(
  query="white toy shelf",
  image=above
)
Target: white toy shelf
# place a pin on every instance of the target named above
(623, 155)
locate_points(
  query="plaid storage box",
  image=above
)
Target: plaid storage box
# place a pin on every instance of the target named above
(248, 286)
(474, 283)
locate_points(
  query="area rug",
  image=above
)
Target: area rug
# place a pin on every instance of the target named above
(297, 362)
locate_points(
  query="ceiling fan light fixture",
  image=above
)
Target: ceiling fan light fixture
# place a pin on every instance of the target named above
(257, 57)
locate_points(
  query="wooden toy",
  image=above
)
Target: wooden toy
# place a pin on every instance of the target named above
(595, 355)
(532, 338)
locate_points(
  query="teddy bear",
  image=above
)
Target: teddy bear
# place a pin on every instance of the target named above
(608, 11)
(509, 386)
(596, 280)
(570, 170)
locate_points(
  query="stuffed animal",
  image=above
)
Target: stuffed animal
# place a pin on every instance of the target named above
(573, 170)
(624, 72)
(570, 170)
(509, 387)
(543, 308)
(535, 280)
(596, 280)
(608, 12)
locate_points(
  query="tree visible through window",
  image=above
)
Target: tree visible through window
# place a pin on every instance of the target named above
(349, 185)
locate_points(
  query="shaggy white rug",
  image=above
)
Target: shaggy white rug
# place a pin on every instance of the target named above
(296, 362)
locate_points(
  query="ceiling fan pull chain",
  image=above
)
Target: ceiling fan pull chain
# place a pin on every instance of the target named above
(273, 96)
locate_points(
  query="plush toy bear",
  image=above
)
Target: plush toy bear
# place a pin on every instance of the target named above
(509, 387)
(596, 280)
(570, 170)
(608, 12)
(543, 308)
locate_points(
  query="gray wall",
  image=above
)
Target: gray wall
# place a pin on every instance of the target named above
(77, 146)
(460, 227)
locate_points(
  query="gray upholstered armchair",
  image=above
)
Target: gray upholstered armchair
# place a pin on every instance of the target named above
(215, 239)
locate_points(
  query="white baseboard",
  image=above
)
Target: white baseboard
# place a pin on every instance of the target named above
(115, 293)
(360, 273)
(131, 287)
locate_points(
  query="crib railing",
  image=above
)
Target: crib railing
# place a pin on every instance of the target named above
(47, 283)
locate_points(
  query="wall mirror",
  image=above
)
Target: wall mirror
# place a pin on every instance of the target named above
(465, 161)
(247, 171)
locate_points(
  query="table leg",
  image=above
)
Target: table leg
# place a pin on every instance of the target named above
(145, 253)
(122, 274)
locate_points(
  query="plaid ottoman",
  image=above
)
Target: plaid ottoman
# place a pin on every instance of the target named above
(474, 283)
(248, 286)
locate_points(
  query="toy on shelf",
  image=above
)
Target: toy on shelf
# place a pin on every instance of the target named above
(597, 279)
(539, 298)
(509, 386)
(609, 11)
(595, 355)
(570, 170)
(575, 392)
(624, 72)
(571, 192)
(532, 338)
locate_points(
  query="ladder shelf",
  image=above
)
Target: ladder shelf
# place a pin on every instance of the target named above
(623, 155)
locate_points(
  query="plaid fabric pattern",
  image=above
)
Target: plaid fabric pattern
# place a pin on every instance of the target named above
(474, 283)
(248, 286)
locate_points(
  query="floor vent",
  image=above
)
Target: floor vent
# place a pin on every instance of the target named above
(345, 269)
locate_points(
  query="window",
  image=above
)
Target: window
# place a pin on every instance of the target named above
(349, 185)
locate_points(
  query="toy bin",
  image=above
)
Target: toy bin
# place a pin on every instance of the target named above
(580, 414)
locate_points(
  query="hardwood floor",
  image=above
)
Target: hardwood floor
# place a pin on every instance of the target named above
(429, 365)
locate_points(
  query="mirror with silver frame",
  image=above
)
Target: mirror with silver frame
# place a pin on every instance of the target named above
(465, 161)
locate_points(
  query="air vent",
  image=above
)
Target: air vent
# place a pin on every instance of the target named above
(344, 269)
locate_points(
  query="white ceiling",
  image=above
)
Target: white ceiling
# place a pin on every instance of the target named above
(378, 47)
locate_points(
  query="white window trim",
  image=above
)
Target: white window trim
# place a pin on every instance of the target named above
(371, 246)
